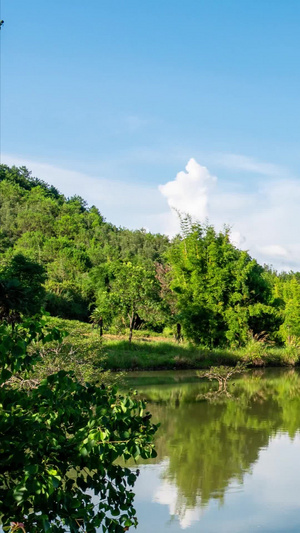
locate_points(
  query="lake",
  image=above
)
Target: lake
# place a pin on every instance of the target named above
(226, 463)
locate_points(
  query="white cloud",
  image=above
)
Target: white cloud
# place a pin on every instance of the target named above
(124, 204)
(249, 164)
(264, 221)
(189, 192)
(237, 239)
(274, 250)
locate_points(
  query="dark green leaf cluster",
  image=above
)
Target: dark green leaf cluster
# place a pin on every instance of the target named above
(21, 288)
(59, 444)
(23, 178)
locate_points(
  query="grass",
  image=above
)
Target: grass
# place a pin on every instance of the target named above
(161, 354)
(155, 352)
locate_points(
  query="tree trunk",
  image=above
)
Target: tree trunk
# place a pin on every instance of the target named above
(101, 326)
(178, 332)
(131, 324)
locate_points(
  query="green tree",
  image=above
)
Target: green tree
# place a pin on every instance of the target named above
(133, 293)
(290, 292)
(221, 291)
(70, 239)
(60, 441)
(21, 288)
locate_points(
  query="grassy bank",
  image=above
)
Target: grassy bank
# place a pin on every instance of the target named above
(83, 346)
(160, 354)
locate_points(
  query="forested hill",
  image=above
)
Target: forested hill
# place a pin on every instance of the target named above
(198, 284)
(78, 248)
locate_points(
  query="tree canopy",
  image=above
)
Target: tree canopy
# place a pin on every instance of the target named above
(221, 291)
(198, 283)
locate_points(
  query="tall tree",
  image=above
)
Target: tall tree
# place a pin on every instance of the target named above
(220, 289)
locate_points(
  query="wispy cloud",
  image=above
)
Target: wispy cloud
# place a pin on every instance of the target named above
(250, 164)
(135, 123)
(131, 124)
(122, 203)
(274, 250)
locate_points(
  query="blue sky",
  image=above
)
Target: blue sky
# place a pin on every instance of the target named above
(113, 99)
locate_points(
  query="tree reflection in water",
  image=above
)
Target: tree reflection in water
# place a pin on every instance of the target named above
(207, 445)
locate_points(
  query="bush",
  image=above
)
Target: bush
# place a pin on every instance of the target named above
(60, 442)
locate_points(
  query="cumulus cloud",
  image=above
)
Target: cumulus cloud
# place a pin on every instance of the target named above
(189, 192)
(264, 221)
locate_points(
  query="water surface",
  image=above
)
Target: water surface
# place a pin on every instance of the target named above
(229, 464)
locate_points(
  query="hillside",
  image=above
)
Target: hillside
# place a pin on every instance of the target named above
(74, 243)
(199, 284)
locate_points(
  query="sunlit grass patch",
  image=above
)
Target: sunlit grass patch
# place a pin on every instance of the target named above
(149, 351)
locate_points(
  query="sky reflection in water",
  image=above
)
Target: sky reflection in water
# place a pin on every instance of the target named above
(231, 466)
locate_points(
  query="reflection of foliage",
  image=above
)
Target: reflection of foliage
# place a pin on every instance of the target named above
(209, 445)
(221, 374)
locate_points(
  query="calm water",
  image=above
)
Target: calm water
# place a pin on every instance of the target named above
(230, 464)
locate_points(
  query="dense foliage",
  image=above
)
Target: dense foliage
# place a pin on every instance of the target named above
(199, 284)
(222, 293)
(21, 288)
(78, 249)
(60, 440)
(61, 435)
